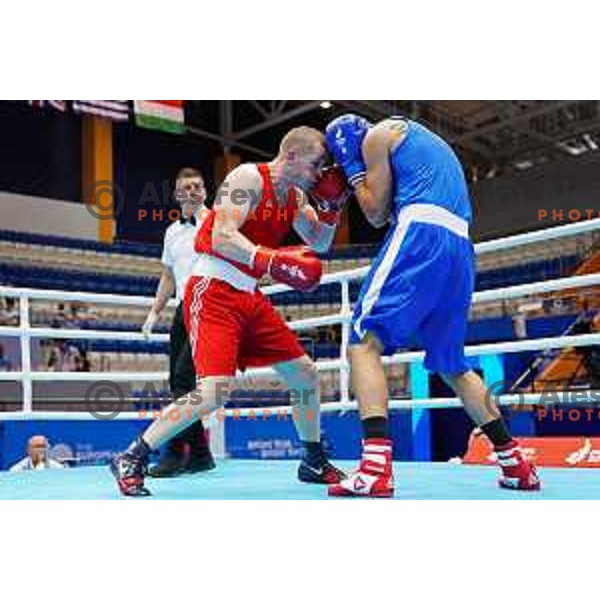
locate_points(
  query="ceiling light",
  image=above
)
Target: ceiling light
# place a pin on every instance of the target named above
(591, 142)
(523, 164)
(572, 147)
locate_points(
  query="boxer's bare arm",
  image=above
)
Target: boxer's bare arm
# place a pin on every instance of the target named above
(233, 203)
(316, 234)
(374, 193)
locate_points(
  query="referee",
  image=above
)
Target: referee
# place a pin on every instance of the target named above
(188, 452)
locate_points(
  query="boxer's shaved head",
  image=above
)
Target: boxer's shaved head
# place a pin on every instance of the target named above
(302, 154)
(302, 140)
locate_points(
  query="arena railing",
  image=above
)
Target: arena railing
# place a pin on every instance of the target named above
(25, 332)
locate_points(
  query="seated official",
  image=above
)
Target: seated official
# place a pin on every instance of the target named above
(37, 456)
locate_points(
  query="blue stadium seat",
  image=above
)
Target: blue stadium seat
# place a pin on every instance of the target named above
(90, 281)
(135, 248)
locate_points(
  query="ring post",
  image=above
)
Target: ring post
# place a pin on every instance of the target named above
(344, 367)
(25, 354)
(420, 417)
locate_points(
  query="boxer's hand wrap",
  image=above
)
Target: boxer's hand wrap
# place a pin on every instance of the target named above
(344, 137)
(296, 266)
(330, 194)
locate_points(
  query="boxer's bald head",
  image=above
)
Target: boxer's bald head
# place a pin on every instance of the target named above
(302, 153)
(301, 140)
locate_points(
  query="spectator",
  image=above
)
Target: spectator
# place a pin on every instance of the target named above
(5, 364)
(9, 312)
(37, 456)
(70, 354)
(53, 356)
(334, 334)
(46, 347)
(76, 311)
(82, 362)
(589, 354)
(60, 319)
(520, 325)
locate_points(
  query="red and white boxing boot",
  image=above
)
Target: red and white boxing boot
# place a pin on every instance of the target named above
(374, 477)
(517, 472)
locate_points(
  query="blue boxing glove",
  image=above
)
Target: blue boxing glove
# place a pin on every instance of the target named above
(344, 137)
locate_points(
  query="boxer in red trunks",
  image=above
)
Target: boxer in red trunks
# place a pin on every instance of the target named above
(231, 324)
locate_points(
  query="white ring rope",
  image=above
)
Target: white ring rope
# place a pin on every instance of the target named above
(333, 364)
(534, 237)
(25, 332)
(516, 291)
(540, 399)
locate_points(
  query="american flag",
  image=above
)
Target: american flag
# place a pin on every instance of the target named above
(118, 110)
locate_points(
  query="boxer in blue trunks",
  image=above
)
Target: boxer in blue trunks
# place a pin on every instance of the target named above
(419, 287)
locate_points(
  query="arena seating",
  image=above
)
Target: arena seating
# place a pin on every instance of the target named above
(481, 331)
(29, 260)
(142, 260)
(92, 281)
(145, 250)
(132, 355)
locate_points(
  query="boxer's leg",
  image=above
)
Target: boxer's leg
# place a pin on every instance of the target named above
(182, 379)
(200, 457)
(395, 298)
(401, 289)
(301, 378)
(469, 387)
(369, 383)
(211, 312)
(180, 414)
(517, 472)
(129, 468)
(443, 334)
(269, 341)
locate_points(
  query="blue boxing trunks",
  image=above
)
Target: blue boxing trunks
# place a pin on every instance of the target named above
(419, 288)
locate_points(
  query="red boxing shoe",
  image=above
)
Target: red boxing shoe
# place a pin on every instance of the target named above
(374, 478)
(517, 472)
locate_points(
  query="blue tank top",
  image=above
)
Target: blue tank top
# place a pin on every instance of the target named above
(425, 170)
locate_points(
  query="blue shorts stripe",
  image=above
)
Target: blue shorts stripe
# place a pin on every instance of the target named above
(372, 292)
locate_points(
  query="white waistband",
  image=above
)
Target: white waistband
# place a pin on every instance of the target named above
(436, 215)
(211, 266)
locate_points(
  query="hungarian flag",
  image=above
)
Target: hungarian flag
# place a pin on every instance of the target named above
(166, 115)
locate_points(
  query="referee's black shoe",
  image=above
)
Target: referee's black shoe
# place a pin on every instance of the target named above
(170, 465)
(201, 459)
(174, 464)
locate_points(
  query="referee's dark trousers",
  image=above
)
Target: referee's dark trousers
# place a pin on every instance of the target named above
(188, 451)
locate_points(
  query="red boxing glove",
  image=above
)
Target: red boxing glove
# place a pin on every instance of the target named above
(330, 193)
(296, 266)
